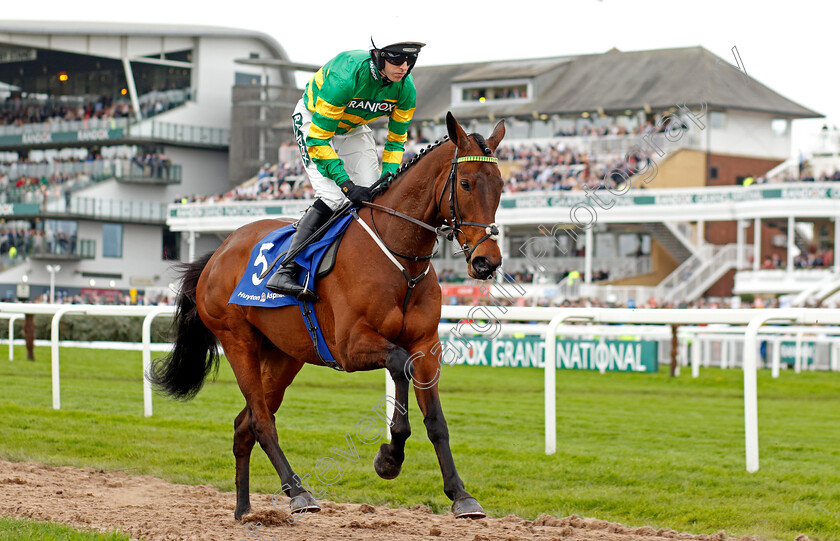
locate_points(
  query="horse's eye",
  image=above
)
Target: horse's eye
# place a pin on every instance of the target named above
(465, 185)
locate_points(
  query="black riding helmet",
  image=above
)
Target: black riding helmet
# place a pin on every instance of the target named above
(396, 53)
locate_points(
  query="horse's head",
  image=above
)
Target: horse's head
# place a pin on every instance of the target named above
(475, 188)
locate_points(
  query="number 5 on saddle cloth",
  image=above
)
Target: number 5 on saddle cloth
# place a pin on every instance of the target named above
(251, 290)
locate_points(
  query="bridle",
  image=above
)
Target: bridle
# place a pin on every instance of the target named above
(491, 230)
(451, 229)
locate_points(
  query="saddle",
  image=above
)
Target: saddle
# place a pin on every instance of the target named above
(317, 260)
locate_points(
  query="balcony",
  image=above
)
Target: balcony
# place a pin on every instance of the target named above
(110, 131)
(121, 210)
(135, 172)
(64, 249)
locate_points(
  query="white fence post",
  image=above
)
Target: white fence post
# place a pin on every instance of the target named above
(12, 319)
(550, 368)
(147, 355)
(750, 387)
(56, 386)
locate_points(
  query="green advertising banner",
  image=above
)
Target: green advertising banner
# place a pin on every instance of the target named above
(19, 209)
(712, 197)
(788, 353)
(42, 138)
(529, 352)
(292, 208)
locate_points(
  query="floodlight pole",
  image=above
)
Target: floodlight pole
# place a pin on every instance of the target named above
(52, 269)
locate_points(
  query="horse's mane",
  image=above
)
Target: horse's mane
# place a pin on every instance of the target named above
(425, 151)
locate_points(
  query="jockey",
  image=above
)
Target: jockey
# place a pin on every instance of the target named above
(337, 147)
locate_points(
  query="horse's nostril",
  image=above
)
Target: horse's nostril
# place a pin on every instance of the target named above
(481, 265)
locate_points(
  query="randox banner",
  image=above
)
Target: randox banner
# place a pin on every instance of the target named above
(529, 351)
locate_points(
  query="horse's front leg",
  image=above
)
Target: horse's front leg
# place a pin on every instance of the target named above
(426, 372)
(389, 459)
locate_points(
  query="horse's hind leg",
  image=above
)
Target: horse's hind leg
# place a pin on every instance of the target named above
(242, 348)
(278, 371)
(243, 442)
(389, 459)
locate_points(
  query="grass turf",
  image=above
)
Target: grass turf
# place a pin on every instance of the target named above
(13, 529)
(639, 449)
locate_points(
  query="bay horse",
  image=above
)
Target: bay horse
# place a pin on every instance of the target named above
(372, 314)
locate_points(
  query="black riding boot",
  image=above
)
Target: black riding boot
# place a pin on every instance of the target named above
(284, 281)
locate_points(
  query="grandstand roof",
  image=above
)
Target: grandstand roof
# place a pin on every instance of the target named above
(613, 81)
(8, 29)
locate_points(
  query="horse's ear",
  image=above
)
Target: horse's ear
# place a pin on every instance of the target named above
(456, 133)
(497, 136)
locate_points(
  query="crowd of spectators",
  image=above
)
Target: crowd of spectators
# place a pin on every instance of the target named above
(283, 180)
(38, 189)
(561, 167)
(18, 111)
(109, 297)
(151, 164)
(813, 259)
(18, 243)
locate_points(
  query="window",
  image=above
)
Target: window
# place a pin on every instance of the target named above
(493, 91)
(717, 119)
(246, 79)
(779, 126)
(171, 245)
(60, 237)
(112, 240)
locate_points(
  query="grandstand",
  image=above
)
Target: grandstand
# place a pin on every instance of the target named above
(103, 125)
(705, 218)
(633, 178)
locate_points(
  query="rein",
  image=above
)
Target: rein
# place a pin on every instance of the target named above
(450, 230)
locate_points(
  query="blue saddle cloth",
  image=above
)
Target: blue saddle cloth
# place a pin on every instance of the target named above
(251, 290)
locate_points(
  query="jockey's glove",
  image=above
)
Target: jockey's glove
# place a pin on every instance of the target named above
(356, 194)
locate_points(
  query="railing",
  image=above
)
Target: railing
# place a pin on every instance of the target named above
(111, 129)
(180, 133)
(629, 296)
(58, 126)
(619, 144)
(96, 170)
(64, 249)
(162, 172)
(685, 270)
(680, 236)
(698, 273)
(618, 267)
(783, 281)
(555, 317)
(118, 209)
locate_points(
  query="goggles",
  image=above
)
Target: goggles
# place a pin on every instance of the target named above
(398, 59)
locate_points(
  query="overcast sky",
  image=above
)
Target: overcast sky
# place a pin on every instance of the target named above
(792, 47)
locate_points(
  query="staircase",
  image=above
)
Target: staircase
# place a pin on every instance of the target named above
(671, 239)
(698, 273)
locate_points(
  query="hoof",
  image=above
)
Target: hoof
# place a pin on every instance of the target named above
(239, 513)
(467, 508)
(304, 503)
(386, 467)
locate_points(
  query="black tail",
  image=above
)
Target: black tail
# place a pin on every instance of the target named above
(195, 354)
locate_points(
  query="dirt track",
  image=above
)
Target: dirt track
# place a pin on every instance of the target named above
(149, 507)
